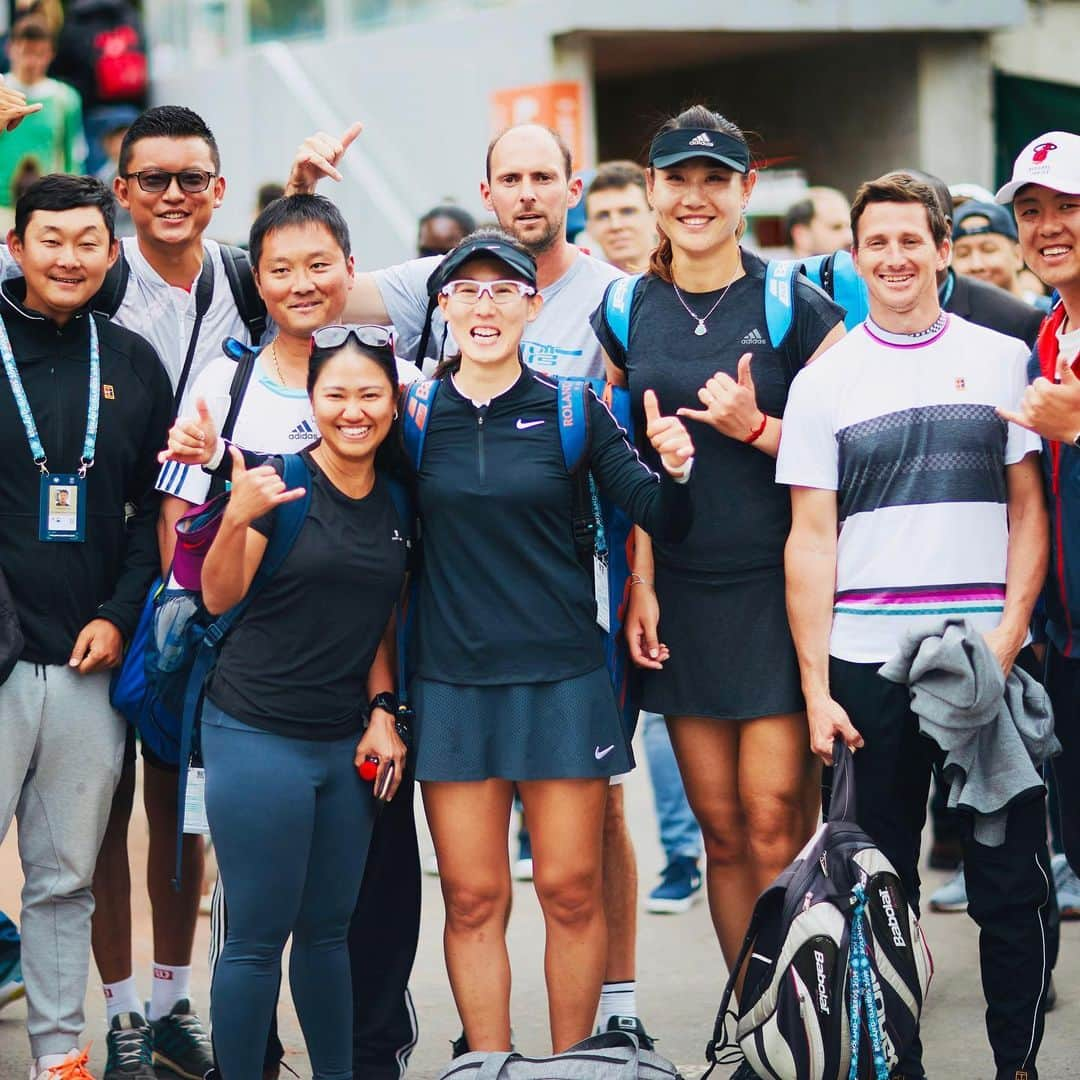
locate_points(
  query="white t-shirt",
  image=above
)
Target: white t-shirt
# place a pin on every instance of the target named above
(559, 341)
(165, 314)
(906, 435)
(273, 419)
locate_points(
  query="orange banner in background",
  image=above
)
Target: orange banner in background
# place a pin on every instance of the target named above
(556, 105)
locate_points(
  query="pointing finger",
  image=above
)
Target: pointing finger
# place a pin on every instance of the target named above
(350, 135)
(1014, 418)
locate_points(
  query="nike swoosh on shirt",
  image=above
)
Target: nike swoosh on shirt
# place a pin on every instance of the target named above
(603, 753)
(524, 425)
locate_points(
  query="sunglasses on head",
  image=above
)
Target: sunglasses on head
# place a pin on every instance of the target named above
(155, 181)
(366, 334)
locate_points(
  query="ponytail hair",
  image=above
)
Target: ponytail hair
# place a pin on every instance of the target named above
(697, 116)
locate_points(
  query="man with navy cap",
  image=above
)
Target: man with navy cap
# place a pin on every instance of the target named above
(1045, 195)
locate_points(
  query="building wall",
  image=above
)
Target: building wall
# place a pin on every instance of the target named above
(1043, 45)
(423, 90)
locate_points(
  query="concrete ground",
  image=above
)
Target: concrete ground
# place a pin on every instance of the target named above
(681, 976)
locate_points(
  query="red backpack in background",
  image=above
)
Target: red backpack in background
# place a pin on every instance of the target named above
(120, 69)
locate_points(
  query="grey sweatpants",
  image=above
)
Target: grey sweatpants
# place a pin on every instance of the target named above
(61, 750)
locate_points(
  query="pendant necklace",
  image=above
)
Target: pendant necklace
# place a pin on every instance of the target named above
(701, 329)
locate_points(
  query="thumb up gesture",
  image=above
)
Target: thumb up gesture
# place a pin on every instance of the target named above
(192, 440)
(668, 436)
(255, 491)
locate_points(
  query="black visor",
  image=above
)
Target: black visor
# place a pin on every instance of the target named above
(520, 263)
(685, 143)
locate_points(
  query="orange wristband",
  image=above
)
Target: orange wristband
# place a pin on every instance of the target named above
(758, 431)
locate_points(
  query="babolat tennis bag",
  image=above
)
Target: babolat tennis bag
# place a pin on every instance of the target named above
(613, 1055)
(838, 965)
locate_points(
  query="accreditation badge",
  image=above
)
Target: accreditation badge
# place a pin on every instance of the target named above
(62, 509)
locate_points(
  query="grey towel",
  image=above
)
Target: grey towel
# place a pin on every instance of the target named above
(996, 732)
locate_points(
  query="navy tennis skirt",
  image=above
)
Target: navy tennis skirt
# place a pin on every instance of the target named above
(524, 731)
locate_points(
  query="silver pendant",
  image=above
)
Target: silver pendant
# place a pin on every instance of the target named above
(700, 330)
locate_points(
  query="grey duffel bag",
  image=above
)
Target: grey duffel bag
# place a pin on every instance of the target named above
(615, 1055)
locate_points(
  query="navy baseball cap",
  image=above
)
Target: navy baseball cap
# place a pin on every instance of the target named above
(671, 147)
(995, 219)
(520, 263)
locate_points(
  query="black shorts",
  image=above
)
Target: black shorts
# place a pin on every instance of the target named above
(148, 755)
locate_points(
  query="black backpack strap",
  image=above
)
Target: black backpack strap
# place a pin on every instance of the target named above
(242, 283)
(425, 334)
(110, 296)
(204, 293)
(245, 356)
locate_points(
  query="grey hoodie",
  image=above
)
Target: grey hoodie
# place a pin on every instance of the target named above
(996, 732)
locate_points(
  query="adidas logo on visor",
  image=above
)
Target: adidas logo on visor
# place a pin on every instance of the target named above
(701, 140)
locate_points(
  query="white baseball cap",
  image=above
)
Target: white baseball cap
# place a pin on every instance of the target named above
(1051, 161)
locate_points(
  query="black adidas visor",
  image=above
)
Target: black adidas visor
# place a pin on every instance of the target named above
(520, 263)
(672, 147)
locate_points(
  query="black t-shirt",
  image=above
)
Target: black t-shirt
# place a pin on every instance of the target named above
(297, 661)
(741, 516)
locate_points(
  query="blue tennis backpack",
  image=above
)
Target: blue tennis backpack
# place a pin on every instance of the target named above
(835, 274)
(601, 529)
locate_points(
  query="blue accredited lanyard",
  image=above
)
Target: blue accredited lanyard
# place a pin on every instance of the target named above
(92, 409)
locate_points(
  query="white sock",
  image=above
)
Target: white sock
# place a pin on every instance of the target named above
(171, 984)
(617, 999)
(121, 997)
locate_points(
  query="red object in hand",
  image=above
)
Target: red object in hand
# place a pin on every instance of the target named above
(368, 768)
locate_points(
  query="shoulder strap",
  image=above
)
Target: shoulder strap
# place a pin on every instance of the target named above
(204, 293)
(780, 298)
(110, 296)
(848, 289)
(419, 401)
(573, 422)
(618, 301)
(242, 284)
(425, 334)
(245, 356)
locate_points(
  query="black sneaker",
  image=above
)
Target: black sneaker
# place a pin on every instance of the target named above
(130, 1043)
(635, 1027)
(181, 1045)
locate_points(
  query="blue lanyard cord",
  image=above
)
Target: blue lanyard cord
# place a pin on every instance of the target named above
(92, 410)
(861, 993)
(600, 541)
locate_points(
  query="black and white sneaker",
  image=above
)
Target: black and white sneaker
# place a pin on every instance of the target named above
(130, 1045)
(634, 1026)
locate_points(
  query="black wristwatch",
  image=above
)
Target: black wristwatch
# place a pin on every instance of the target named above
(386, 701)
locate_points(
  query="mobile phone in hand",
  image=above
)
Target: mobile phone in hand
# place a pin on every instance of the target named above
(382, 790)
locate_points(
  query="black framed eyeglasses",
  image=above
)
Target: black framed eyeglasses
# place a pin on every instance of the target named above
(155, 181)
(366, 334)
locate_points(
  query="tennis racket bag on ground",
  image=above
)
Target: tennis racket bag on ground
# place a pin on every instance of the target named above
(838, 966)
(614, 1055)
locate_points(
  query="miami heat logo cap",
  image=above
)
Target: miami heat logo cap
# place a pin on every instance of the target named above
(1051, 161)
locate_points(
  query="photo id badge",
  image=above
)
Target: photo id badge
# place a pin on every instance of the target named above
(195, 803)
(62, 514)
